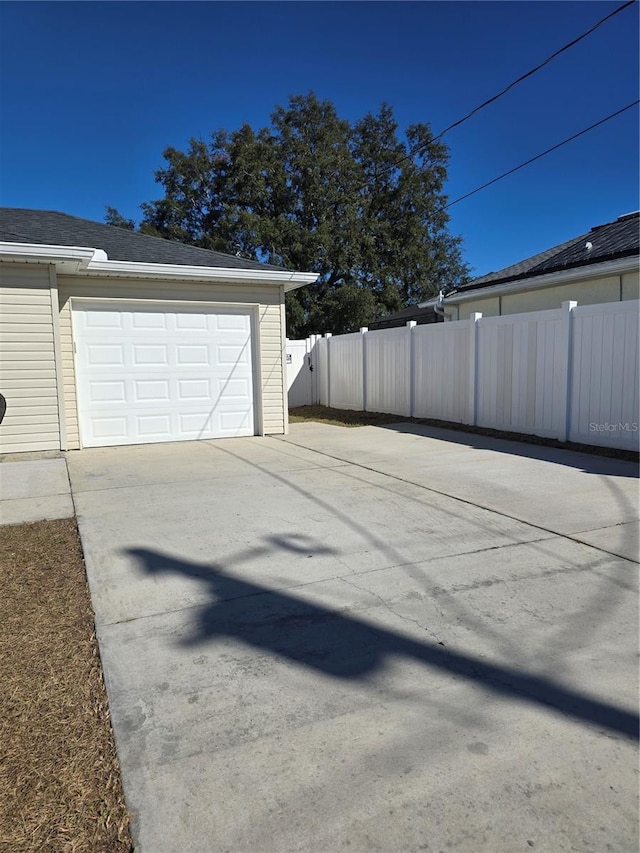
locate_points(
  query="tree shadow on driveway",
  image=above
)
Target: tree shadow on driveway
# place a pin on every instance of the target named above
(340, 645)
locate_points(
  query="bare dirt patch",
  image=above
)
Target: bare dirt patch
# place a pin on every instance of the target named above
(60, 786)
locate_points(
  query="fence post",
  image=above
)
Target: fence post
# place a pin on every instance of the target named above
(328, 337)
(363, 332)
(313, 368)
(411, 324)
(473, 366)
(564, 384)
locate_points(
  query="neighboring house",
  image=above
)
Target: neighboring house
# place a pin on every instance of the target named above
(401, 318)
(111, 337)
(599, 266)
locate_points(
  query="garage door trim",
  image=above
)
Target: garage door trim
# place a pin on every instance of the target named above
(79, 303)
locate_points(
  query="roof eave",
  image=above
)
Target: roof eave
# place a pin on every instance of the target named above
(128, 269)
(68, 259)
(620, 265)
(86, 261)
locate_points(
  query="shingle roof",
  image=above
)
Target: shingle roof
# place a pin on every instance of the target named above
(21, 225)
(401, 318)
(618, 239)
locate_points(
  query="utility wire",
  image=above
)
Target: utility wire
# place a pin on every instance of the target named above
(536, 69)
(543, 154)
(413, 151)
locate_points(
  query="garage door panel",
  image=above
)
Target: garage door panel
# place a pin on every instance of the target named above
(148, 320)
(162, 375)
(192, 355)
(193, 322)
(232, 355)
(230, 421)
(102, 320)
(107, 391)
(149, 355)
(109, 426)
(195, 423)
(150, 391)
(234, 389)
(156, 425)
(189, 390)
(99, 355)
(232, 322)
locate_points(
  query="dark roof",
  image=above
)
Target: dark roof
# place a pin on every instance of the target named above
(618, 239)
(20, 225)
(401, 318)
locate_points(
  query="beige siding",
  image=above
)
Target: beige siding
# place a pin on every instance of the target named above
(631, 285)
(27, 360)
(587, 292)
(283, 358)
(487, 307)
(269, 402)
(591, 292)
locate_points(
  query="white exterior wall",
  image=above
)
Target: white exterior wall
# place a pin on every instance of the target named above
(270, 395)
(28, 375)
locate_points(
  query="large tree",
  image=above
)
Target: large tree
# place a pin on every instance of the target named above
(350, 201)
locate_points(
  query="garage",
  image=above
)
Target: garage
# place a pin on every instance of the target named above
(148, 373)
(112, 337)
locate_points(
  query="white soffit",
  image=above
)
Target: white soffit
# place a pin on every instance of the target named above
(73, 260)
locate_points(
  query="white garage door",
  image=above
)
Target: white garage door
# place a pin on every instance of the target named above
(162, 373)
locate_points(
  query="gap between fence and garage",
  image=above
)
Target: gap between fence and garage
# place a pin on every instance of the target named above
(569, 373)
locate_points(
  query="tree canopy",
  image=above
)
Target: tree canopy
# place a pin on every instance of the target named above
(314, 192)
(114, 217)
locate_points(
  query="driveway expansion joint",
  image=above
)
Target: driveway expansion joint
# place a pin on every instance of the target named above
(465, 501)
(329, 698)
(435, 593)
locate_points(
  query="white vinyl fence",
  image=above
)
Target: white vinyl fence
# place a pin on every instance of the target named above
(299, 376)
(522, 368)
(570, 373)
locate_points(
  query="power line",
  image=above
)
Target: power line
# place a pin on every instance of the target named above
(413, 151)
(544, 153)
(537, 68)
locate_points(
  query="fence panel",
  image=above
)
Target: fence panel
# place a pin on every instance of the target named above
(569, 373)
(298, 373)
(604, 404)
(388, 371)
(521, 365)
(322, 366)
(441, 371)
(345, 372)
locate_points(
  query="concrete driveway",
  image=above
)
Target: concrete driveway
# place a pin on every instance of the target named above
(33, 489)
(374, 639)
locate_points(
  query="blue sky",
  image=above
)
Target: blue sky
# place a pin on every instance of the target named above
(91, 93)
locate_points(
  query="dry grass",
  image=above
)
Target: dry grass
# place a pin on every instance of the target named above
(60, 784)
(340, 417)
(343, 417)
